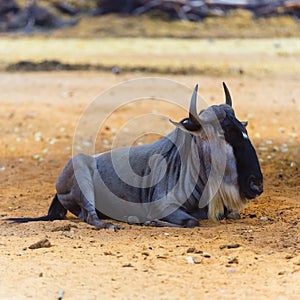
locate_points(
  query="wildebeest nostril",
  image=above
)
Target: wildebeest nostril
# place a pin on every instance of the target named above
(257, 188)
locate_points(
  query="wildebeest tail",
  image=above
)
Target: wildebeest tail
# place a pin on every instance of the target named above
(56, 212)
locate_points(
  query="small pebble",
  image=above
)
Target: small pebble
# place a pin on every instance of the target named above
(293, 134)
(45, 243)
(263, 148)
(190, 250)
(129, 265)
(197, 260)
(189, 260)
(233, 260)
(291, 141)
(257, 135)
(231, 270)
(8, 115)
(230, 246)
(86, 143)
(52, 141)
(161, 256)
(252, 216)
(206, 255)
(297, 262)
(60, 294)
(263, 219)
(64, 228)
(38, 136)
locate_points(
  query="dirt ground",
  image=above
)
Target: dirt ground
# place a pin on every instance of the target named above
(39, 113)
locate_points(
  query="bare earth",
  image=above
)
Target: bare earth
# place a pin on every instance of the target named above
(39, 113)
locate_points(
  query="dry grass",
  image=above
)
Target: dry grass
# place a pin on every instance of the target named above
(238, 24)
(211, 57)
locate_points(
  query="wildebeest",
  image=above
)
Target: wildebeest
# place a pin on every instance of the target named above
(205, 168)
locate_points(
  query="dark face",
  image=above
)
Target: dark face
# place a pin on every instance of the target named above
(250, 178)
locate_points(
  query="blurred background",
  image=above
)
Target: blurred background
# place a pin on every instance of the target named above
(175, 37)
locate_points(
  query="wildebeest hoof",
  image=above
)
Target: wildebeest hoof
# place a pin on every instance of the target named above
(110, 226)
(99, 224)
(234, 215)
(191, 223)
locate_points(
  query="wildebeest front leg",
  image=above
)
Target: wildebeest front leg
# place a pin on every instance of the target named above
(181, 219)
(89, 215)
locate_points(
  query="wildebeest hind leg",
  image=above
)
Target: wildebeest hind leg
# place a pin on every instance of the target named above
(181, 218)
(56, 210)
(160, 223)
(76, 189)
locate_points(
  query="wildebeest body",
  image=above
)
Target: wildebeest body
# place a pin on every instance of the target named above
(169, 181)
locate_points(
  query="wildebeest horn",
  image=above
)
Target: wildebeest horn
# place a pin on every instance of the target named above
(194, 118)
(227, 94)
(193, 115)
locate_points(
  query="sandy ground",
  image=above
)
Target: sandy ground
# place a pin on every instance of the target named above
(39, 113)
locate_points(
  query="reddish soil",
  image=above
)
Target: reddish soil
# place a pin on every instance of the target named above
(39, 113)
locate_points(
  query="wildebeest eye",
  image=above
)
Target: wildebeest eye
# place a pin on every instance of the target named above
(233, 134)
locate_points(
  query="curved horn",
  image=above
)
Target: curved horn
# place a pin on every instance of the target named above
(227, 94)
(193, 115)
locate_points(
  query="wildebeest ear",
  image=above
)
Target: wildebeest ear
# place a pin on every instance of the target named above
(245, 123)
(186, 125)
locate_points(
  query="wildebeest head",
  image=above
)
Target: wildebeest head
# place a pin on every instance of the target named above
(250, 179)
